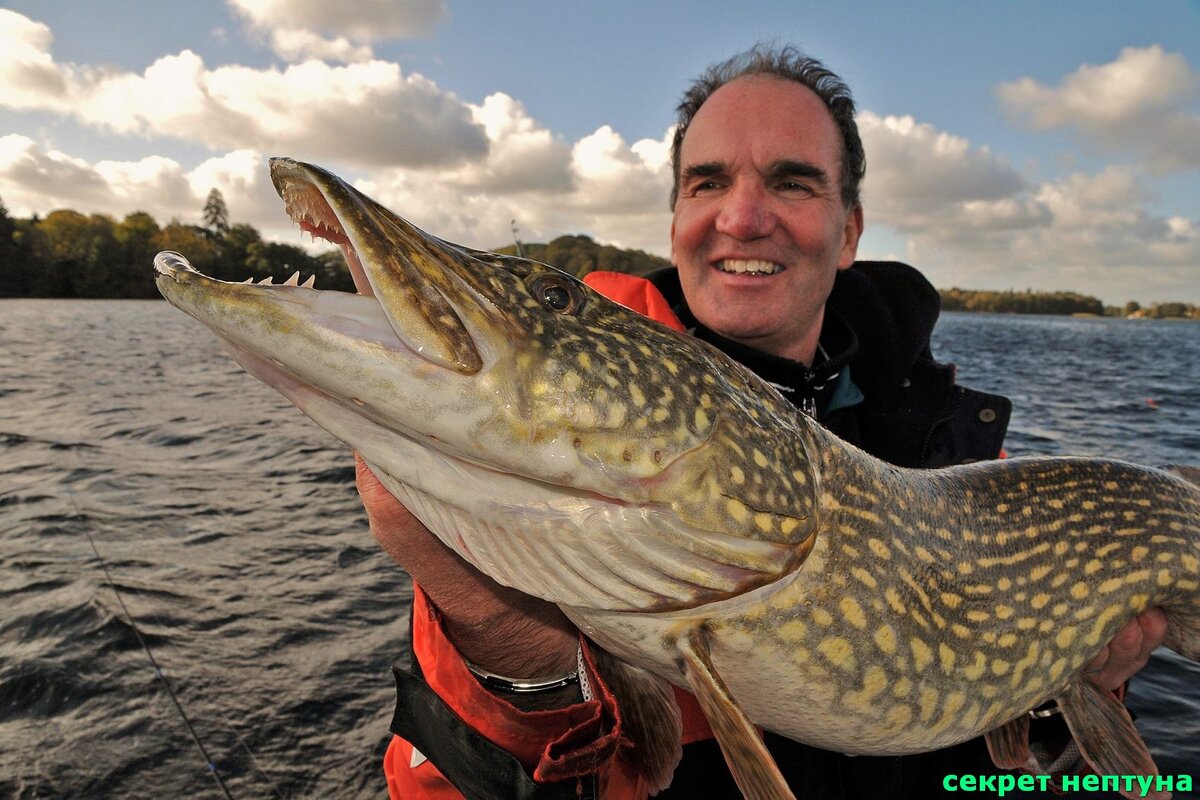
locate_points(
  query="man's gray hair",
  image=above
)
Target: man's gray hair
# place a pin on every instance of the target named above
(789, 64)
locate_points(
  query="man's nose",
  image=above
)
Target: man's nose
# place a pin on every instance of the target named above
(744, 213)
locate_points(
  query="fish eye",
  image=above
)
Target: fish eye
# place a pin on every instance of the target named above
(557, 294)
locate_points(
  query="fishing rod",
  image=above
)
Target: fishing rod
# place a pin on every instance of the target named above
(158, 671)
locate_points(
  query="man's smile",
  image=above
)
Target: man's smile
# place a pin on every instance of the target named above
(743, 266)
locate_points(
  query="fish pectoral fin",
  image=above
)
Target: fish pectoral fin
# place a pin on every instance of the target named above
(650, 716)
(1104, 732)
(1009, 744)
(751, 764)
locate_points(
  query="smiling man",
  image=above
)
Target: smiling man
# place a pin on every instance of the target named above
(767, 219)
(761, 225)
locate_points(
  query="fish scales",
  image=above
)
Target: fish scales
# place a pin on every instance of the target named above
(695, 526)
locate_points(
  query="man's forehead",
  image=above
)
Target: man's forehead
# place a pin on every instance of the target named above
(762, 110)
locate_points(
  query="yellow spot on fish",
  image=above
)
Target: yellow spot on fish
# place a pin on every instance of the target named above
(863, 577)
(793, 631)
(975, 671)
(736, 474)
(946, 656)
(763, 522)
(902, 687)
(1093, 566)
(822, 617)
(893, 598)
(879, 548)
(1000, 666)
(853, 612)
(1039, 600)
(897, 719)
(922, 655)
(885, 639)
(873, 683)
(928, 703)
(838, 652)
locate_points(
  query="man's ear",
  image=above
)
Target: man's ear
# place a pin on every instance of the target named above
(851, 233)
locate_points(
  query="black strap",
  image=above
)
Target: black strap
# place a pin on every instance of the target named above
(477, 767)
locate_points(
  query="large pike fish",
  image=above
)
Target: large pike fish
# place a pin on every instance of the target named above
(698, 528)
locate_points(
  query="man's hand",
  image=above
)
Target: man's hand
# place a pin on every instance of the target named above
(1129, 650)
(496, 627)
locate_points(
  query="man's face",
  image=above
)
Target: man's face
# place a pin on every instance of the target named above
(760, 229)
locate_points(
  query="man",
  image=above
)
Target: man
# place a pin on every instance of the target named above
(766, 226)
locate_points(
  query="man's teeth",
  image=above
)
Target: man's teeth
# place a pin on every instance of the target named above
(750, 267)
(311, 283)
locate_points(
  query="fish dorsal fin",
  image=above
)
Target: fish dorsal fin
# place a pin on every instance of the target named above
(1009, 744)
(650, 715)
(749, 761)
(1104, 732)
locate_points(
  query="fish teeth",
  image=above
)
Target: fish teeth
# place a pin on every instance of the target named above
(266, 281)
(311, 283)
(292, 281)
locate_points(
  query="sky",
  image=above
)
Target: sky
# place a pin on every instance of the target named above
(1010, 145)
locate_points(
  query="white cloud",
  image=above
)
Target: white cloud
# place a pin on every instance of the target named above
(1144, 102)
(971, 219)
(602, 186)
(29, 78)
(295, 44)
(295, 28)
(37, 180)
(361, 20)
(364, 113)
(919, 177)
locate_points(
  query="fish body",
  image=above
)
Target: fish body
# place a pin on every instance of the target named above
(694, 524)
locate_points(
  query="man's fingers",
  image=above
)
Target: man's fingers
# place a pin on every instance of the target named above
(1129, 650)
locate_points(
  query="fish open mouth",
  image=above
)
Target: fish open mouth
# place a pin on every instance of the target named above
(308, 208)
(418, 281)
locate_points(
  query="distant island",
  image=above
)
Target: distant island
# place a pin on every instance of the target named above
(1063, 303)
(69, 254)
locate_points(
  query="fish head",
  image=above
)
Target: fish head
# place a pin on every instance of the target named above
(511, 366)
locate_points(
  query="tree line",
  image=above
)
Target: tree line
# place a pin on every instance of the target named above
(69, 254)
(1031, 302)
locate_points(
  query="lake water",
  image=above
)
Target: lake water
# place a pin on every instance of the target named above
(231, 527)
